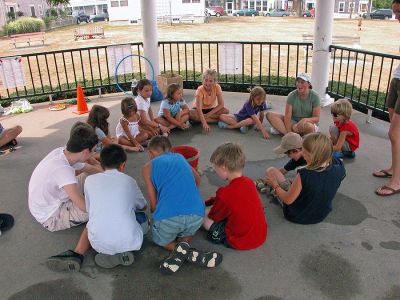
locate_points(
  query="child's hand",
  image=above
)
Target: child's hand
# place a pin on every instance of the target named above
(265, 133)
(164, 129)
(138, 148)
(184, 126)
(206, 128)
(271, 182)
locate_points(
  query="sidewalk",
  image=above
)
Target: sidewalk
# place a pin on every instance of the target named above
(353, 254)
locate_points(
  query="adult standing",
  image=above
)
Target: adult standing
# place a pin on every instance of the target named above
(209, 102)
(301, 112)
(393, 104)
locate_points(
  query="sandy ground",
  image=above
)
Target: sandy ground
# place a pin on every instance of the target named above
(376, 35)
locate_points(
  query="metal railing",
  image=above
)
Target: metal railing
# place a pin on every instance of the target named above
(361, 76)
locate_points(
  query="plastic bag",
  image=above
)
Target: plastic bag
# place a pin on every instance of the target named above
(19, 106)
(156, 95)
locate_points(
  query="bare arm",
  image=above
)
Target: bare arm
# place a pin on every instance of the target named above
(287, 119)
(75, 196)
(291, 195)
(91, 169)
(146, 173)
(220, 105)
(125, 127)
(196, 176)
(340, 141)
(170, 119)
(259, 124)
(199, 108)
(315, 115)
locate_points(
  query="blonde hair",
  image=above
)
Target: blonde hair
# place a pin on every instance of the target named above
(160, 144)
(210, 72)
(257, 91)
(229, 155)
(342, 107)
(320, 148)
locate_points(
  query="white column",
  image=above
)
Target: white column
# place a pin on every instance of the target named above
(150, 36)
(323, 27)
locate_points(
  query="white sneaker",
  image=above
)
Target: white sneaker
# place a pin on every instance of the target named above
(272, 130)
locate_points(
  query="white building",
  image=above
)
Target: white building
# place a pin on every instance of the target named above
(88, 7)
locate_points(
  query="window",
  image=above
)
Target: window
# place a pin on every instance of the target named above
(186, 1)
(40, 10)
(123, 3)
(190, 1)
(114, 3)
(195, 1)
(341, 7)
(351, 7)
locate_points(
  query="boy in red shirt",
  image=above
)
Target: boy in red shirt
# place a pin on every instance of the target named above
(345, 135)
(237, 217)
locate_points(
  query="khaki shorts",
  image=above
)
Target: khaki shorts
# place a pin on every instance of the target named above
(68, 215)
(393, 95)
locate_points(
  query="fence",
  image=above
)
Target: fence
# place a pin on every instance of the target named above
(361, 76)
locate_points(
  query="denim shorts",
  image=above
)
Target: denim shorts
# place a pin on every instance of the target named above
(167, 230)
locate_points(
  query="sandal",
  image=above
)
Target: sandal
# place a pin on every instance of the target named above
(65, 261)
(386, 188)
(111, 261)
(260, 184)
(176, 259)
(382, 174)
(204, 259)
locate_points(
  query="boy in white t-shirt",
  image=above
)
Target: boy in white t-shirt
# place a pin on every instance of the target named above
(55, 193)
(117, 222)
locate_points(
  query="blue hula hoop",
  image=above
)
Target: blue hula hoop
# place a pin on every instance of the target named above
(116, 70)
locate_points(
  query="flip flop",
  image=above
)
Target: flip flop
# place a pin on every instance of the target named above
(385, 174)
(386, 188)
(204, 259)
(176, 259)
(111, 261)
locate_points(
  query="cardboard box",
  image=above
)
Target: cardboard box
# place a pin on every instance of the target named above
(164, 80)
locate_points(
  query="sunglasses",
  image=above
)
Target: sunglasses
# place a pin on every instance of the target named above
(335, 114)
(291, 151)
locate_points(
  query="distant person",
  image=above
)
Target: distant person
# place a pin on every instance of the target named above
(8, 136)
(292, 146)
(344, 134)
(392, 187)
(128, 131)
(142, 90)
(309, 198)
(302, 110)
(209, 102)
(174, 112)
(115, 205)
(247, 116)
(177, 207)
(236, 218)
(55, 194)
(359, 22)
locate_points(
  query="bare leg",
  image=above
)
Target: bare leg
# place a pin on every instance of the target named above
(277, 121)
(9, 134)
(273, 172)
(215, 117)
(228, 119)
(245, 122)
(391, 115)
(127, 144)
(83, 243)
(207, 221)
(171, 246)
(307, 128)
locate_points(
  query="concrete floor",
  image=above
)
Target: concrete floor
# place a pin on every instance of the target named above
(353, 254)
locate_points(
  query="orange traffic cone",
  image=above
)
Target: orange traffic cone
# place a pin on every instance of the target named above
(80, 102)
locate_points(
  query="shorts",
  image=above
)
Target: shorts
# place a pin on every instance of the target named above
(393, 95)
(217, 234)
(68, 214)
(207, 110)
(333, 130)
(167, 230)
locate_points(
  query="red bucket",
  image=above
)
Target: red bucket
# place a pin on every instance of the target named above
(191, 154)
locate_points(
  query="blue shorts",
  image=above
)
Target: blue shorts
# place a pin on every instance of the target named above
(167, 230)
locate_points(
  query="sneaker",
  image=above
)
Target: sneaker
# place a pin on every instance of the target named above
(222, 125)
(268, 105)
(349, 154)
(338, 154)
(6, 222)
(110, 261)
(272, 130)
(204, 259)
(66, 261)
(244, 129)
(176, 259)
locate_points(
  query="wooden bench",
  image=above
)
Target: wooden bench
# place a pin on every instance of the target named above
(336, 40)
(89, 33)
(27, 38)
(186, 19)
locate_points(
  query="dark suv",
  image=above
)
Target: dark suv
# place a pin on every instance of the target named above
(381, 14)
(82, 18)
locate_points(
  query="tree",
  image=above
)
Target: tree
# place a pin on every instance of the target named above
(57, 2)
(382, 4)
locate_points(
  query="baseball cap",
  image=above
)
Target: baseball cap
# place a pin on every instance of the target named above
(289, 141)
(304, 76)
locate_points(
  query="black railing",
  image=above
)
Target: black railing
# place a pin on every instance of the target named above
(363, 77)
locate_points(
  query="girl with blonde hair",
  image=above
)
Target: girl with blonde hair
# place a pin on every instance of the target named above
(309, 199)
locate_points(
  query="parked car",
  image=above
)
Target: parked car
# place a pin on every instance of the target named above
(250, 12)
(380, 14)
(99, 17)
(308, 14)
(280, 12)
(82, 18)
(216, 11)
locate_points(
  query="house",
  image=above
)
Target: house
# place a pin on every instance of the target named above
(88, 7)
(351, 8)
(32, 8)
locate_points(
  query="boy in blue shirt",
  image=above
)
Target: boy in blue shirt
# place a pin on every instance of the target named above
(176, 204)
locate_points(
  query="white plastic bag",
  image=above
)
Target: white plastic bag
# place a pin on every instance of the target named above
(19, 106)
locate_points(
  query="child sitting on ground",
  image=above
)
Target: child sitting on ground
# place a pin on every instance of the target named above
(247, 116)
(174, 111)
(291, 145)
(8, 137)
(309, 198)
(98, 120)
(143, 89)
(237, 217)
(128, 131)
(177, 207)
(116, 224)
(345, 135)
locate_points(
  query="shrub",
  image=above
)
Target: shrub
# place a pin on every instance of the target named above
(24, 25)
(20, 13)
(11, 15)
(53, 12)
